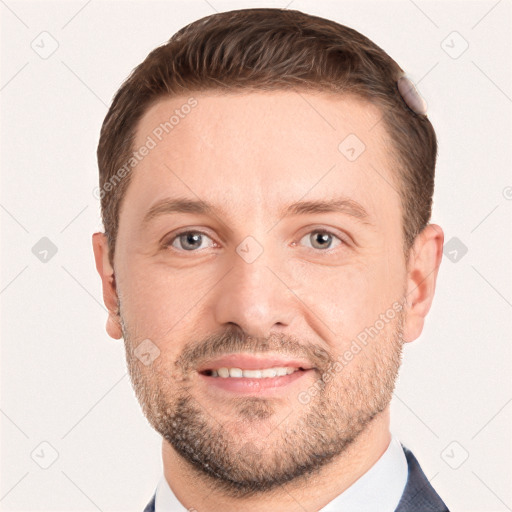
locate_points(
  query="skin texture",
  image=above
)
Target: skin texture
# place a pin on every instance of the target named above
(252, 154)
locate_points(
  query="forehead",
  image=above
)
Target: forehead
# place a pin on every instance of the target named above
(255, 150)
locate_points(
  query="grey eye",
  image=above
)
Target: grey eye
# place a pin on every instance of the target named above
(189, 240)
(321, 240)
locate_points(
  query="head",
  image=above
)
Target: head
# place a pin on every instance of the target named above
(265, 190)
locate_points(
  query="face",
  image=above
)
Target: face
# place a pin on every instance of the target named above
(297, 262)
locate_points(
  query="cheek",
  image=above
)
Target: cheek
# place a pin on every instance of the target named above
(159, 302)
(349, 298)
(164, 303)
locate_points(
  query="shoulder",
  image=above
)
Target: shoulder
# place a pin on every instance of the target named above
(150, 507)
(418, 495)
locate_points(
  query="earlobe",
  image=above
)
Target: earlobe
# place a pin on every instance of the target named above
(106, 272)
(423, 267)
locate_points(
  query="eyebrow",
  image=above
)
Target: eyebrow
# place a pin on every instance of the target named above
(339, 205)
(181, 205)
(199, 207)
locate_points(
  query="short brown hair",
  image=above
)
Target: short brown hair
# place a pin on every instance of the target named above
(271, 49)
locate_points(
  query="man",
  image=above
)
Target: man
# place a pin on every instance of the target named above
(266, 185)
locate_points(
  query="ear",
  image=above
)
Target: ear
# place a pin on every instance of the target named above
(422, 269)
(106, 272)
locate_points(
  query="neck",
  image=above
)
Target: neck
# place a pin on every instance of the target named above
(320, 489)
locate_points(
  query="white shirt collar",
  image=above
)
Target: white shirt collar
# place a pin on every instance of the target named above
(378, 490)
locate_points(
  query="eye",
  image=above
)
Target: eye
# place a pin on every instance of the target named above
(192, 241)
(322, 239)
(188, 240)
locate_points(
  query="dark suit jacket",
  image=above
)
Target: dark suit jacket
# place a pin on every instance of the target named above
(418, 496)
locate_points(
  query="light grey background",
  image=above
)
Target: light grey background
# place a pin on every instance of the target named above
(64, 381)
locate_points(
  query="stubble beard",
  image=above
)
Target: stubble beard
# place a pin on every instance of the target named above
(308, 439)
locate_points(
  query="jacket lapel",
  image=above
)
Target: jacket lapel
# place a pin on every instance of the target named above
(150, 507)
(419, 495)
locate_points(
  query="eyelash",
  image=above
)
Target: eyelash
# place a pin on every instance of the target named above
(198, 232)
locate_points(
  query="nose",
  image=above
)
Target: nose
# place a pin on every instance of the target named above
(255, 297)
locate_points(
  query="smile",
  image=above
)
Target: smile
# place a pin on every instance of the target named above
(264, 373)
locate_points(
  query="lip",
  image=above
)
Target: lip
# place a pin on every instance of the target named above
(251, 362)
(257, 387)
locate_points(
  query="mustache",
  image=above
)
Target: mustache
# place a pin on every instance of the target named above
(234, 340)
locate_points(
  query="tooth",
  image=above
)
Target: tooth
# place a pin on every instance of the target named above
(223, 372)
(252, 373)
(235, 372)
